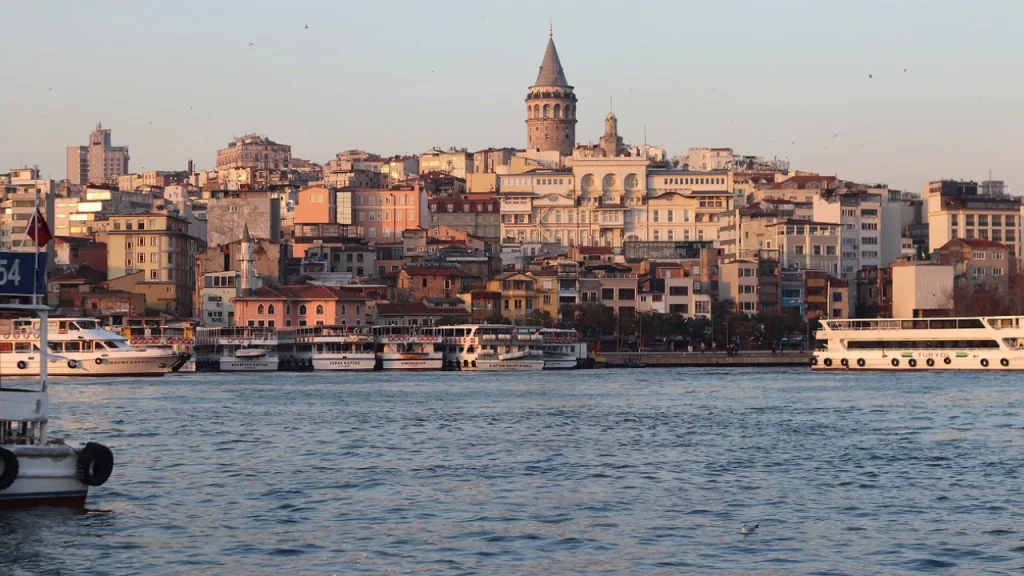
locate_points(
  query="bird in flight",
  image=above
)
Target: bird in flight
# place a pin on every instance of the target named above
(871, 76)
(250, 43)
(307, 26)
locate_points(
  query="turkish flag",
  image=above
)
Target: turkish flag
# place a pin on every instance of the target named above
(38, 230)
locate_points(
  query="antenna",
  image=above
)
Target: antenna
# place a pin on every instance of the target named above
(551, 29)
(611, 109)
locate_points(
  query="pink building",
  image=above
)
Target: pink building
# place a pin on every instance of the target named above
(384, 213)
(303, 305)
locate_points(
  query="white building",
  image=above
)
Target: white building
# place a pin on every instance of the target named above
(871, 226)
(920, 287)
(956, 209)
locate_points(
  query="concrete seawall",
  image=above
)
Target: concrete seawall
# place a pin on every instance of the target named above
(655, 359)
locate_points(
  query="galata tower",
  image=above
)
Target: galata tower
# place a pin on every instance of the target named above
(551, 107)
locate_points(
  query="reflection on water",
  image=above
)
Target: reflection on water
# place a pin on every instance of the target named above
(590, 472)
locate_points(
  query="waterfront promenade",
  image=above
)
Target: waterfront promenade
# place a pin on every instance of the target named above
(655, 359)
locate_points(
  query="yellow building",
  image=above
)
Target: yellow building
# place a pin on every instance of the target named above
(159, 246)
(518, 294)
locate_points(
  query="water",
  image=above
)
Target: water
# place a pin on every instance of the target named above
(647, 471)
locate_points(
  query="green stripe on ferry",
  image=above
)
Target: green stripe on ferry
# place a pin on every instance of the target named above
(907, 354)
(961, 354)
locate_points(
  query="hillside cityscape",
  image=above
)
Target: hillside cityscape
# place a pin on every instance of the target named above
(635, 246)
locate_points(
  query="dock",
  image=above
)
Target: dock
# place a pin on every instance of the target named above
(706, 359)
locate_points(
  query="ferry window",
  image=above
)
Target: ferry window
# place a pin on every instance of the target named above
(100, 346)
(87, 346)
(72, 346)
(22, 347)
(62, 325)
(56, 346)
(969, 323)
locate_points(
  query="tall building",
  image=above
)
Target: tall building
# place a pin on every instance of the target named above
(99, 162)
(957, 209)
(256, 152)
(551, 107)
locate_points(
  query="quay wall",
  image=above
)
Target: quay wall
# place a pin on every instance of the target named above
(652, 359)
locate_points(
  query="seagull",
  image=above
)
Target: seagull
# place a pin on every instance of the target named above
(307, 26)
(250, 43)
(749, 529)
(904, 69)
(871, 76)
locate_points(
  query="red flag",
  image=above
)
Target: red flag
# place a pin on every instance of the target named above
(38, 230)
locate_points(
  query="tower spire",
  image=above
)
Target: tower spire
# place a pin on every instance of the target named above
(551, 28)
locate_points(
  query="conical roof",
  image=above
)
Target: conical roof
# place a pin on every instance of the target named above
(245, 234)
(551, 73)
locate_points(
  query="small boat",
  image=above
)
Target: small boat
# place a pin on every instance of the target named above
(250, 353)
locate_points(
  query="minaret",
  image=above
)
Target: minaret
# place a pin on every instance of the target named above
(246, 257)
(551, 106)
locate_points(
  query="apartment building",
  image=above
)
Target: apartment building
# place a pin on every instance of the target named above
(455, 161)
(958, 209)
(158, 246)
(255, 152)
(979, 264)
(384, 214)
(99, 162)
(479, 217)
(804, 245)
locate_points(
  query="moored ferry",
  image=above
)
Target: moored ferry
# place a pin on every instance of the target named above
(562, 348)
(490, 347)
(335, 347)
(237, 349)
(979, 343)
(407, 348)
(78, 347)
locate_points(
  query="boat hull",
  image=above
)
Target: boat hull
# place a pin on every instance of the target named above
(46, 477)
(86, 365)
(559, 362)
(232, 364)
(397, 362)
(504, 366)
(910, 361)
(345, 362)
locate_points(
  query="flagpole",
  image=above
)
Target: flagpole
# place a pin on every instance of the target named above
(35, 270)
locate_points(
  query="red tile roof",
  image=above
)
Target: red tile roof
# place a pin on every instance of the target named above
(597, 250)
(976, 243)
(427, 271)
(803, 180)
(417, 309)
(303, 292)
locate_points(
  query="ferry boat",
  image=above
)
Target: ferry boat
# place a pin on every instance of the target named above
(407, 348)
(490, 347)
(978, 343)
(562, 349)
(78, 347)
(36, 470)
(237, 349)
(336, 347)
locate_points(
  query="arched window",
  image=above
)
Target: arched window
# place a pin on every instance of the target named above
(259, 309)
(536, 110)
(271, 309)
(288, 309)
(302, 309)
(319, 309)
(342, 309)
(558, 110)
(547, 111)
(357, 309)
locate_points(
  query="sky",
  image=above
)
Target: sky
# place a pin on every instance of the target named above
(897, 92)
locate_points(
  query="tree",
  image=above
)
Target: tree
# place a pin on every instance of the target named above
(448, 321)
(497, 318)
(541, 318)
(595, 320)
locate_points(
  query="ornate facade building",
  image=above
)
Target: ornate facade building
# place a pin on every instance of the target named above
(551, 107)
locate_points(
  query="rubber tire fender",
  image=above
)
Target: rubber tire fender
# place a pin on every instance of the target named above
(94, 465)
(11, 468)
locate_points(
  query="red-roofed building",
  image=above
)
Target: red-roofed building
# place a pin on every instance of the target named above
(979, 263)
(417, 314)
(303, 305)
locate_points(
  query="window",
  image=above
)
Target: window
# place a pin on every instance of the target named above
(997, 220)
(969, 219)
(799, 249)
(152, 240)
(319, 309)
(978, 272)
(997, 255)
(979, 255)
(607, 293)
(547, 299)
(518, 304)
(302, 312)
(830, 250)
(679, 291)
(271, 309)
(260, 310)
(869, 226)
(154, 275)
(529, 303)
(817, 249)
(627, 294)
(837, 296)
(982, 219)
(997, 271)
(702, 307)
(869, 240)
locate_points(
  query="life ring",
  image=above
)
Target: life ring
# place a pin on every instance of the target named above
(7, 336)
(828, 361)
(861, 362)
(814, 360)
(134, 341)
(930, 362)
(94, 465)
(895, 362)
(947, 360)
(17, 336)
(35, 335)
(99, 361)
(474, 363)
(1004, 362)
(22, 364)
(912, 363)
(984, 362)
(72, 364)
(845, 363)
(11, 468)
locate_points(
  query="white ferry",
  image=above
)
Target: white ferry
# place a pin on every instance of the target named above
(36, 470)
(406, 348)
(237, 349)
(981, 343)
(78, 347)
(490, 347)
(562, 349)
(336, 347)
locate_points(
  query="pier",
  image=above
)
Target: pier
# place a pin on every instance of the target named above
(706, 359)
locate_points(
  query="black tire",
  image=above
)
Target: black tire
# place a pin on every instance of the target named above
(11, 469)
(814, 360)
(947, 360)
(1004, 362)
(828, 362)
(861, 362)
(72, 364)
(845, 363)
(99, 361)
(984, 362)
(895, 362)
(930, 362)
(912, 363)
(22, 364)
(94, 465)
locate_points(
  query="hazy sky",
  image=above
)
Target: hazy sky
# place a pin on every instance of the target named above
(179, 79)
